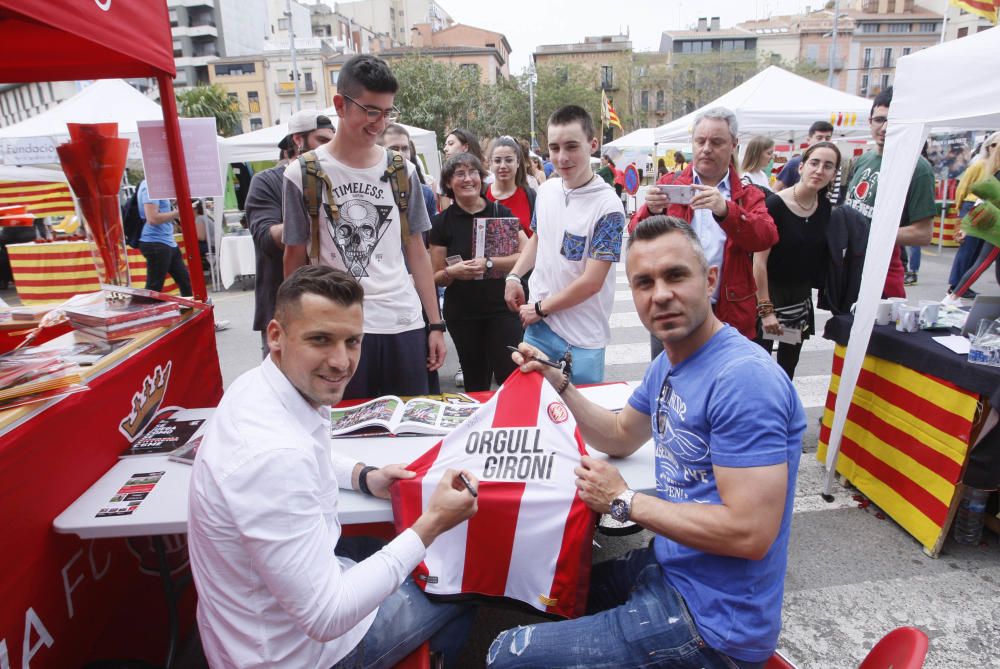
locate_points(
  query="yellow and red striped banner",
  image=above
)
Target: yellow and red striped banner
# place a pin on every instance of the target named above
(56, 271)
(905, 442)
(42, 198)
(984, 8)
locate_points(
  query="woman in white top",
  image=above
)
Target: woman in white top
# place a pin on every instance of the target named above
(756, 159)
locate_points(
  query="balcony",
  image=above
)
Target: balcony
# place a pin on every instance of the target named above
(193, 3)
(288, 87)
(194, 61)
(206, 30)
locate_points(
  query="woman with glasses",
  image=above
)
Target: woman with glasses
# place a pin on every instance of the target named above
(510, 185)
(480, 324)
(787, 272)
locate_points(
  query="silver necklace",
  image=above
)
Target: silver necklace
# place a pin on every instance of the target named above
(567, 193)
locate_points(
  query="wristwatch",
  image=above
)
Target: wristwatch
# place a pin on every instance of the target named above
(621, 506)
(437, 327)
(489, 262)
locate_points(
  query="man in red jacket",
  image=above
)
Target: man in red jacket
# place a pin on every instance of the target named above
(730, 219)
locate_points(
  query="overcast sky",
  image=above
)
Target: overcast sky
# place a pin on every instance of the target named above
(528, 23)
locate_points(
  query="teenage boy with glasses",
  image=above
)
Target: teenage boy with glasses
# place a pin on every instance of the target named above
(366, 239)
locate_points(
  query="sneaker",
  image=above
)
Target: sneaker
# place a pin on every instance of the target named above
(910, 279)
(460, 379)
(221, 325)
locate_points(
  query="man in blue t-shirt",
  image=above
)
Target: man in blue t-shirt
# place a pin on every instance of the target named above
(157, 243)
(727, 427)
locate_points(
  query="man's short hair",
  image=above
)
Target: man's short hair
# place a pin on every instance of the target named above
(656, 226)
(333, 284)
(395, 129)
(366, 73)
(720, 114)
(883, 99)
(463, 159)
(820, 126)
(574, 114)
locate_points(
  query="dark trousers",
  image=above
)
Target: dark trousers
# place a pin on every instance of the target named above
(788, 354)
(482, 348)
(391, 364)
(162, 260)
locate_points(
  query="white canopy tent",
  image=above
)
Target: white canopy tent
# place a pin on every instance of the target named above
(263, 144)
(959, 98)
(781, 105)
(641, 139)
(103, 101)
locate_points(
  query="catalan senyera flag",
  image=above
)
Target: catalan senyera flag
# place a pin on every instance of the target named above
(905, 442)
(608, 112)
(42, 198)
(984, 8)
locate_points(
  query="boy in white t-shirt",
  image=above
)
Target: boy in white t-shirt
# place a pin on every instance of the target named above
(366, 240)
(578, 224)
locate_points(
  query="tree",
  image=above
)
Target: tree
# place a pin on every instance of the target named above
(211, 102)
(565, 84)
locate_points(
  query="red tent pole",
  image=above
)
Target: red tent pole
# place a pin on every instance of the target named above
(181, 188)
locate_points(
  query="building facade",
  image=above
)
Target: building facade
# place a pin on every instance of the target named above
(395, 18)
(245, 82)
(19, 102)
(205, 30)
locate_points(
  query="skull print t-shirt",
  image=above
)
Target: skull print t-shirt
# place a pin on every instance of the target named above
(727, 405)
(365, 242)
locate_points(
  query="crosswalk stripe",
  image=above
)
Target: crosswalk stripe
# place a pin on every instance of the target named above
(630, 319)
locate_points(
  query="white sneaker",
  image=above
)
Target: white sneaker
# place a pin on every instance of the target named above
(221, 325)
(460, 379)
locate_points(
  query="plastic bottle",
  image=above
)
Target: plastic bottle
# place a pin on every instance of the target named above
(969, 520)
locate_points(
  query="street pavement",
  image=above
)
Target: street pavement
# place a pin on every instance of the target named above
(853, 574)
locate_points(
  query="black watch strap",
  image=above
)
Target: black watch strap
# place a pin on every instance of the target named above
(437, 327)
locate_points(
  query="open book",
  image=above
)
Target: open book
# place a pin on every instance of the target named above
(389, 415)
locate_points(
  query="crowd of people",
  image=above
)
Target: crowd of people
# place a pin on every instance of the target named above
(363, 263)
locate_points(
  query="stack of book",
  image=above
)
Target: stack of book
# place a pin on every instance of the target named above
(110, 321)
(25, 379)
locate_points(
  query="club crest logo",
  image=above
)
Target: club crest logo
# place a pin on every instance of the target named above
(146, 402)
(557, 412)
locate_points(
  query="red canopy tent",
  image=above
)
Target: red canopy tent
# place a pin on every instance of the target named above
(60, 40)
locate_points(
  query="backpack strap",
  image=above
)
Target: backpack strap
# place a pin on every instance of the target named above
(395, 170)
(312, 178)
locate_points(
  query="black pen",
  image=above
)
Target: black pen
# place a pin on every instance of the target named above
(468, 485)
(556, 365)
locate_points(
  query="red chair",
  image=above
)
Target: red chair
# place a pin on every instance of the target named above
(418, 659)
(902, 648)
(779, 661)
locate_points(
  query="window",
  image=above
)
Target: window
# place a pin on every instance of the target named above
(962, 32)
(659, 100)
(887, 57)
(899, 27)
(733, 45)
(884, 82)
(812, 53)
(907, 51)
(644, 101)
(283, 24)
(256, 124)
(309, 80)
(607, 77)
(930, 27)
(870, 27)
(234, 99)
(235, 69)
(469, 68)
(699, 46)
(867, 62)
(333, 77)
(864, 86)
(253, 102)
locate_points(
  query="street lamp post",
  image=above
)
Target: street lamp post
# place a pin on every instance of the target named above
(291, 47)
(833, 44)
(531, 103)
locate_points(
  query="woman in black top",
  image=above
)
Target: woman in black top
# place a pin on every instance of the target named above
(787, 272)
(480, 324)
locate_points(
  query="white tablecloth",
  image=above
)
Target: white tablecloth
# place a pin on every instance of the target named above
(236, 258)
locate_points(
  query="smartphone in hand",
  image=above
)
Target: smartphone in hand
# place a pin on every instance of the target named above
(678, 193)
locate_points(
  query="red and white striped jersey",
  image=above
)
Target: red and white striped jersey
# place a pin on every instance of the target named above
(531, 538)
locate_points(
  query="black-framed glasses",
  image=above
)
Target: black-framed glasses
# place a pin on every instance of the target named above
(391, 115)
(879, 120)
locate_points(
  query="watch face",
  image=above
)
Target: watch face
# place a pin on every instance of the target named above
(619, 510)
(489, 264)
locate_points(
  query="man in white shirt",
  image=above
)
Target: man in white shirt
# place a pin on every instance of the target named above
(263, 507)
(578, 223)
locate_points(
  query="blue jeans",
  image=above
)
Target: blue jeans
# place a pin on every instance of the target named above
(634, 620)
(967, 252)
(405, 620)
(588, 363)
(913, 258)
